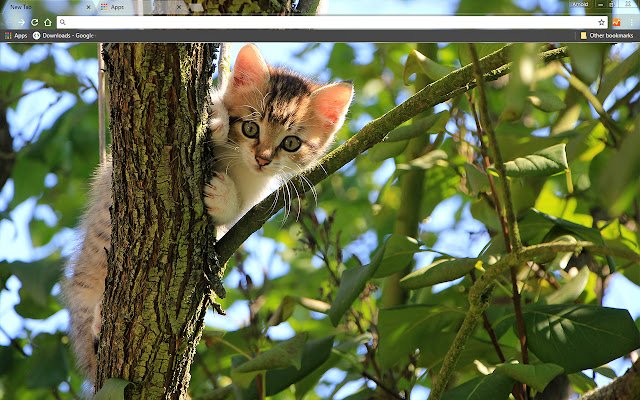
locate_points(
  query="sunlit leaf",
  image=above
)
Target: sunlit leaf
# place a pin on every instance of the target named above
(571, 290)
(438, 272)
(418, 63)
(431, 124)
(384, 150)
(542, 163)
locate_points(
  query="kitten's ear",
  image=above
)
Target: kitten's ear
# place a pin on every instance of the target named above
(331, 103)
(250, 68)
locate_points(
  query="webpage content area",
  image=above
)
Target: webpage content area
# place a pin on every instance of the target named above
(441, 203)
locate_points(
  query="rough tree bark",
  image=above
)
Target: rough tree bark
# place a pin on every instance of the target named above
(156, 295)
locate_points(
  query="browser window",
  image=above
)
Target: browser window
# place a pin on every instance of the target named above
(306, 199)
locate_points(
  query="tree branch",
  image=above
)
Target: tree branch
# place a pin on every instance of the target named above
(507, 203)
(514, 242)
(480, 294)
(625, 387)
(450, 86)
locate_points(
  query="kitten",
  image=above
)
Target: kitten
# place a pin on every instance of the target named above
(279, 125)
(267, 124)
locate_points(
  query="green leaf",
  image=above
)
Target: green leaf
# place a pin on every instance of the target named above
(587, 59)
(398, 251)
(28, 179)
(113, 389)
(438, 272)
(282, 355)
(606, 371)
(537, 376)
(352, 283)
(494, 386)
(572, 336)
(37, 280)
(431, 124)
(547, 102)
(581, 383)
(633, 273)
(83, 50)
(348, 345)
(384, 150)
(47, 365)
(621, 71)
(617, 183)
(314, 354)
(426, 161)
(539, 224)
(283, 312)
(545, 162)
(404, 329)
(477, 180)
(418, 63)
(571, 290)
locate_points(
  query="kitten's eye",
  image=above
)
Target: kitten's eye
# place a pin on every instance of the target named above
(291, 143)
(250, 129)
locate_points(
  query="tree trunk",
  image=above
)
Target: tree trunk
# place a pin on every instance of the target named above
(156, 294)
(162, 264)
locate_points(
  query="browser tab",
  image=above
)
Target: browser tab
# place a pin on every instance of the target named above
(116, 8)
(171, 7)
(86, 8)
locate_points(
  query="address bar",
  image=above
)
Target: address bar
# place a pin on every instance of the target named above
(336, 22)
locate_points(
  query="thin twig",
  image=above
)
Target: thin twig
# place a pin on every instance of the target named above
(381, 385)
(626, 99)
(14, 342)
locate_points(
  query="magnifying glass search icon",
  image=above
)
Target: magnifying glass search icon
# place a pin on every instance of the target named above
(62, 22)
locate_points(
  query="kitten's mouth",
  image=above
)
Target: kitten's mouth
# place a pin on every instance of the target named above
(260, 170)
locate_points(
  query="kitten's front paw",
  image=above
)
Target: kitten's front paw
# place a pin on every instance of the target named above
(221, 198)
(218, 119)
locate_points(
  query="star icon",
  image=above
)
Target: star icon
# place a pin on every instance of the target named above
(601, 22)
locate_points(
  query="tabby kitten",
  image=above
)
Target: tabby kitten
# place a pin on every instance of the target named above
(267, 124)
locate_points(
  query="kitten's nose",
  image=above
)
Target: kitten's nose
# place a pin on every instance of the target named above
(262, 161)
